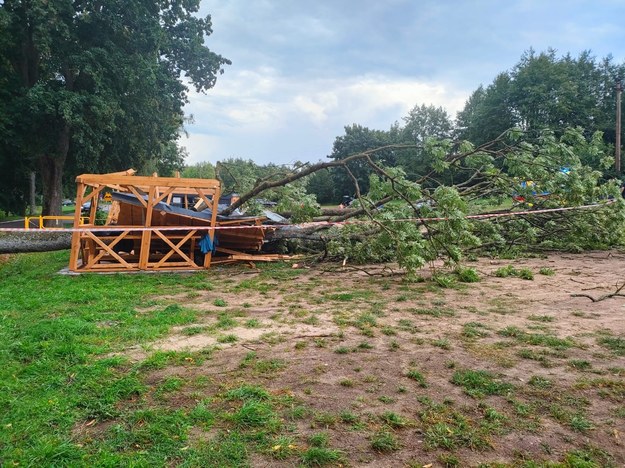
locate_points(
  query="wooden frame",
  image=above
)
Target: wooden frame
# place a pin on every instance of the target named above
(141, 246)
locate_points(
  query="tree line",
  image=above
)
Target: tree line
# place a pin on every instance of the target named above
(96, 86)
(541, 92)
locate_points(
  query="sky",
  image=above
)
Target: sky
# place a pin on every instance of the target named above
(303, 70)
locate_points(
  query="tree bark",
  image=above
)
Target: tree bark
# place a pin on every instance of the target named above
(32, 201)
(52, 178)
(51, 166)
(22, 242)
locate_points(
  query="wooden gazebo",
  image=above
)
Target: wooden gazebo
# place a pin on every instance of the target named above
(144, 230)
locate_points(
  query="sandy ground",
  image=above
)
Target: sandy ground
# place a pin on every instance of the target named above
(346, 341)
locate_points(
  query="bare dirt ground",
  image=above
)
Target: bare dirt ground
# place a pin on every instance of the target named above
(504, 370)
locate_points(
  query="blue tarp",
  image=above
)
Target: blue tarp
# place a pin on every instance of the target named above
(208, 245)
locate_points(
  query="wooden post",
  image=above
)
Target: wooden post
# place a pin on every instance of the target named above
(73, 256)
(146, 237)
(211, 233)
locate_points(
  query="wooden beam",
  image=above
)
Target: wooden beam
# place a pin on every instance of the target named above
(93, 197)
(211, 234)
(138, 195)
(168, 191)
(147, 235)
(110, 251)
(175, 248)
(112, 244)
(75, 246)
(138, 181)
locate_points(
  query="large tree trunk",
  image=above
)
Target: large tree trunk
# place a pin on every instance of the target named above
(52, 178)
(33, 200)
(51, 166)
(22, 242)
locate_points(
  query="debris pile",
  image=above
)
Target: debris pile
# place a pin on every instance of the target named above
(160, 223)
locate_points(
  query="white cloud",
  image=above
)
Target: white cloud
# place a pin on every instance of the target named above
(317, 106)
(201, 147)
(261, 115)
(301, 71)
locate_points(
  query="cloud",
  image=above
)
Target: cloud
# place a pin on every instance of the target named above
(302, 71)
(264, 116)
(317, 106)
(201, 147)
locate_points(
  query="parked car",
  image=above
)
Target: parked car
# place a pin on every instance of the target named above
(86, 207)
(67, 202)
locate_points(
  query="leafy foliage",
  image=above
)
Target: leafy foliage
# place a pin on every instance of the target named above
(427, 219)
(544, 91)
(96, 86)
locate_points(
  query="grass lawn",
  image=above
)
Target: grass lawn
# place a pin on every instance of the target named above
(286, 366)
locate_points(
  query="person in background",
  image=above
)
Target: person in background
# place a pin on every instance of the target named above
(347, 200)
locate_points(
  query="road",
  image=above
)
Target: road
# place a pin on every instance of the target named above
(18, 223)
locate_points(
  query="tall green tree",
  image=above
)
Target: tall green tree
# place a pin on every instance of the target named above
(240, 175)
(356, 140)
(98, 85)
(544, 91)
(422, 123)
(201, 170)
(488, 112)
(321, 184)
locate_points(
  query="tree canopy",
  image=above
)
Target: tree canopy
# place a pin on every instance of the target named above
(545, 91)
(542, 91)
(97, 86)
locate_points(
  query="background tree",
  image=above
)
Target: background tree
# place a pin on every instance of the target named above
(488, 113)
(96, 86)
(201, 170)
(239, 175)
(356, 140)
(321, 184)
(422, 123)
(544, 91)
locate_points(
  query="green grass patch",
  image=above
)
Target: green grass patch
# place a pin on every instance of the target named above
(417, 377)
(248, 393)
(478, 383)
(546, 271)
(393, 420)
(254, 414)
(474, 330)
(613, 343)
(321, 456)
(434, 312)
(509, 270)
(351, 296)
(446, 428)
(537, 339)
(384, 442)
(269, 365)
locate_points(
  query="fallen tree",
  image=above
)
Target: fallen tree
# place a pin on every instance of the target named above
(417, 220)
(34, 241)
